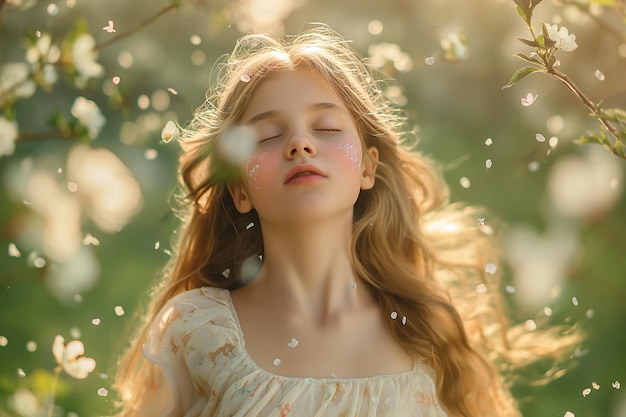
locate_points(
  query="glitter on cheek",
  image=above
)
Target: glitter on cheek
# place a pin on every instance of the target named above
(254, 164)
(350, 152)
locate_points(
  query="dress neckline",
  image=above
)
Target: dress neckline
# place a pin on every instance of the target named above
(305, 379)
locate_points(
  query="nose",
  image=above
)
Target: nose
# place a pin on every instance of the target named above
(299, 145)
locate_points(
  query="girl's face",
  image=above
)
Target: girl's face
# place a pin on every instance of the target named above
(309, 158)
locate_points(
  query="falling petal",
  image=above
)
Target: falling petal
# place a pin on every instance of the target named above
(31, 346)
(540, 138)
(533, 166)
(90, 239)
(110, 28)
(172, 91)
(103, 392)
(465, 182)
(575, 301)
(277, 362)
(394, 315)
(489, 142)
(14, 252)
(599, 75)
(404, 320)
(245, 78)
(39, 262)
(429, 60)
(530, 325)
(3, 341)
(226, 273)
(95, 322)
(528, 100)
(586, 392)
(616, 385)
(249, 226)
(116, 80)
(293, 343)
(119, 311)
(491, 268)
(553, 142)
(150, 154)
(488, 163)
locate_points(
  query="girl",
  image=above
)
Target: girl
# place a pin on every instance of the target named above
(326, 274)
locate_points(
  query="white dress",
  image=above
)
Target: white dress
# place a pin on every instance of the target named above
(197, 343)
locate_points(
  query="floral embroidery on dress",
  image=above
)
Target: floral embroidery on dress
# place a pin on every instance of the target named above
(284, 410)
(198, 344)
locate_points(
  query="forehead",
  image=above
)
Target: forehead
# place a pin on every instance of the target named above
(291, 90)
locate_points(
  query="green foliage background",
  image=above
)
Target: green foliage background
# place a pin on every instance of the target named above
(455, 108)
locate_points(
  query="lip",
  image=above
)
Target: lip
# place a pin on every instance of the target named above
(315, 174)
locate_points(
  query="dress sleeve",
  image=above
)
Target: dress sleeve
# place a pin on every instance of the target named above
(171, 392)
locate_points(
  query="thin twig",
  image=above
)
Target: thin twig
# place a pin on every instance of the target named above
(565, 80)
(148, 21)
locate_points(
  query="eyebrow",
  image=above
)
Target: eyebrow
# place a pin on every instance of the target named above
(317, 107)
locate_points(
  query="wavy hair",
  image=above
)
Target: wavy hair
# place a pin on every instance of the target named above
(423, 257)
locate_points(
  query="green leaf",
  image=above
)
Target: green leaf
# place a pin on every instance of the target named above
(615, 115)
(521, 73)
(522, 14)
(525, 8)
(529, 42)
(541, 41)
(545, 36)
(528, 59)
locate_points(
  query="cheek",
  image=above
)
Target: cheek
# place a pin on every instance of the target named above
(261, 170)
(349, 154)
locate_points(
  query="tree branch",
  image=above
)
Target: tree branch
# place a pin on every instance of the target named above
(145, 23)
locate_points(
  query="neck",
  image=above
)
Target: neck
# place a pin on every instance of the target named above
(308, 267)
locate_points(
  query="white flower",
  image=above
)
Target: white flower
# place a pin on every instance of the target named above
(88, 114)
(169, 132)
(43, 50)
(70, 358)
(14, 81)
(84, 57)
(564, 40)
(108, 191)
(236, 144)
(8, 134)
(454, 47)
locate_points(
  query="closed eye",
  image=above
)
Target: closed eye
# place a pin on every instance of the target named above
(328, 130)
(270, 138)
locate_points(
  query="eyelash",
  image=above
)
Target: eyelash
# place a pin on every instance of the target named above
(316, 130)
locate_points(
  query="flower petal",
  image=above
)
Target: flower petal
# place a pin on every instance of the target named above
(58, 349)
(80, 368)
(72, 351)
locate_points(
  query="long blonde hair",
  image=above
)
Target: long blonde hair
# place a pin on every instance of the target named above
(423, 257)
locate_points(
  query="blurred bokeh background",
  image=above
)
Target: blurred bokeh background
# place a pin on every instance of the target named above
(85, 223)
